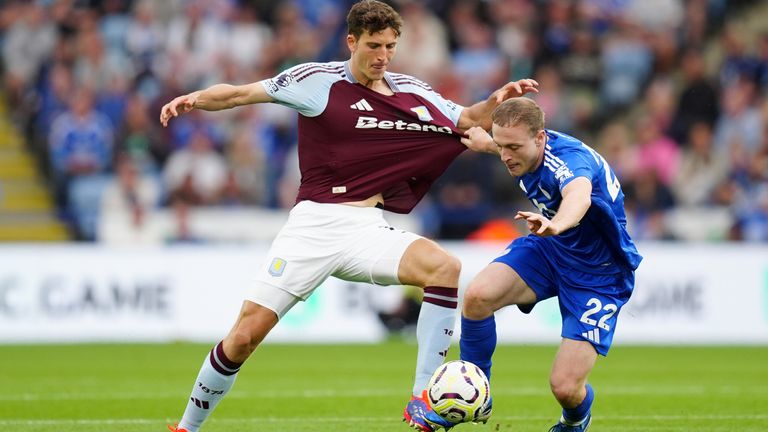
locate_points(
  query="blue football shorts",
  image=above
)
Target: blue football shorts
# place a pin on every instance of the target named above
(589, 302)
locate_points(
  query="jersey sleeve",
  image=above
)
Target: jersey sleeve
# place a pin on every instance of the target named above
(573, 165)
(301, 88)
(450, 109)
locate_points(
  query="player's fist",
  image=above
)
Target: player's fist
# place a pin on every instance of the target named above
(477, 139)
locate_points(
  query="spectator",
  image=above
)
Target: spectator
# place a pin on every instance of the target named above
(698, 101)
(246, 39)
(27, 44)
(127, 202)
(738, 64)
(80, 142)
(741, 122)
(626, 63)
(752, 202)
(649, 198)
(195, 174)
(580, 67)
(423, 48)
(515, 35)
(247, 163)
(656, 153)
(701, 169)
(96, 68)
(144, 36)
(478, 62)
(139, 137)
(615, 144)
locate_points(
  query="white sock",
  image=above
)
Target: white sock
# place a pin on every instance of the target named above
(217, 374)
(434, 331)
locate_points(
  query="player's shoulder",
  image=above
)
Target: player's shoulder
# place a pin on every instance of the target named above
(560, 141)
(325, 70)
(564, 155)
(565, 146)
(405, 81)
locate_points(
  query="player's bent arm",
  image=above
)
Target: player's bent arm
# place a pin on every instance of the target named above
(577, 197)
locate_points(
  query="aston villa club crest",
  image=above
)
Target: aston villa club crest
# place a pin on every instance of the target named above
(277, 267)
(422, 112)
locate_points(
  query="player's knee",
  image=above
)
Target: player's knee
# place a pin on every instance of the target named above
(443, 269)
(250, 330)
(450, 266)
(566, 391)
(477, 302)
(242, 341)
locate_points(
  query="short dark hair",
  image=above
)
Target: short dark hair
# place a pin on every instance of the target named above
(372, 16)
(517, 111)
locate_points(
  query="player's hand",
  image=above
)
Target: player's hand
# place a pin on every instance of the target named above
(516, 89)
(477, 139)
(538, 224)
(180, 105)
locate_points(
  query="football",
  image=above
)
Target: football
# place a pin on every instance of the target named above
(458, 390)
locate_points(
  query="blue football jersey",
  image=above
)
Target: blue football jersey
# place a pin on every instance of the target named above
(600, 243)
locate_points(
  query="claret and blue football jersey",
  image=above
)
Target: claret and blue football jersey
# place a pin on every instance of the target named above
(355, 142)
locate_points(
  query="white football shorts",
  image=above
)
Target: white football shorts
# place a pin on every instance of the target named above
(320, 240)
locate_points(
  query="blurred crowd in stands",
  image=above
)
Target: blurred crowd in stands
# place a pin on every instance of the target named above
(671, 92)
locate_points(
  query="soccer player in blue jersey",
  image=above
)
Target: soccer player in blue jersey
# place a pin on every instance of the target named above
(578, 251)
(369, 140)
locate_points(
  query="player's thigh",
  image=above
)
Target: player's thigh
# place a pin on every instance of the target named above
(534, 270)
(573, 363)
(590, 310)
(375, 255)
(426, 263)
(496, 286)
(302, 256)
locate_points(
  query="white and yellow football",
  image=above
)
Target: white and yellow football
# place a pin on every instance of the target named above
(458, 390)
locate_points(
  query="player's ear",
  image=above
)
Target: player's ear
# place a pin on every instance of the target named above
(351, 43)
(541, 138)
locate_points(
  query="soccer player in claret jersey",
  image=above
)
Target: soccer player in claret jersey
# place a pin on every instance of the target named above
(578, 251)
(369, 140)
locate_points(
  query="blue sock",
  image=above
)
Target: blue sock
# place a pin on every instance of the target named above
(478, 341)
(579, 413)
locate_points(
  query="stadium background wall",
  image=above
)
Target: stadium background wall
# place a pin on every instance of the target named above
(685, 294)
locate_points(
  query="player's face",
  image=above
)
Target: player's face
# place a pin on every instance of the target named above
(520, 152)
(371, 54)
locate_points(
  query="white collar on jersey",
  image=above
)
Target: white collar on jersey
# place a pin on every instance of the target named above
(390, 82)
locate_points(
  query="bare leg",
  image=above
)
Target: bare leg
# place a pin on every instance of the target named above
(568, 381)
(219, 369)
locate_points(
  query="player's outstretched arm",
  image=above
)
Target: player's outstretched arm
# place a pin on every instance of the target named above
(214, 98)
(479, 114)
(573, 207)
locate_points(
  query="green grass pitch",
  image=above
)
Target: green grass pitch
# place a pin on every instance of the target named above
(319, 388)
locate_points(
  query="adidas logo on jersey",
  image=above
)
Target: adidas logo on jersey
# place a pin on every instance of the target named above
(361, 105)
(593, 335)
(374, 123)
